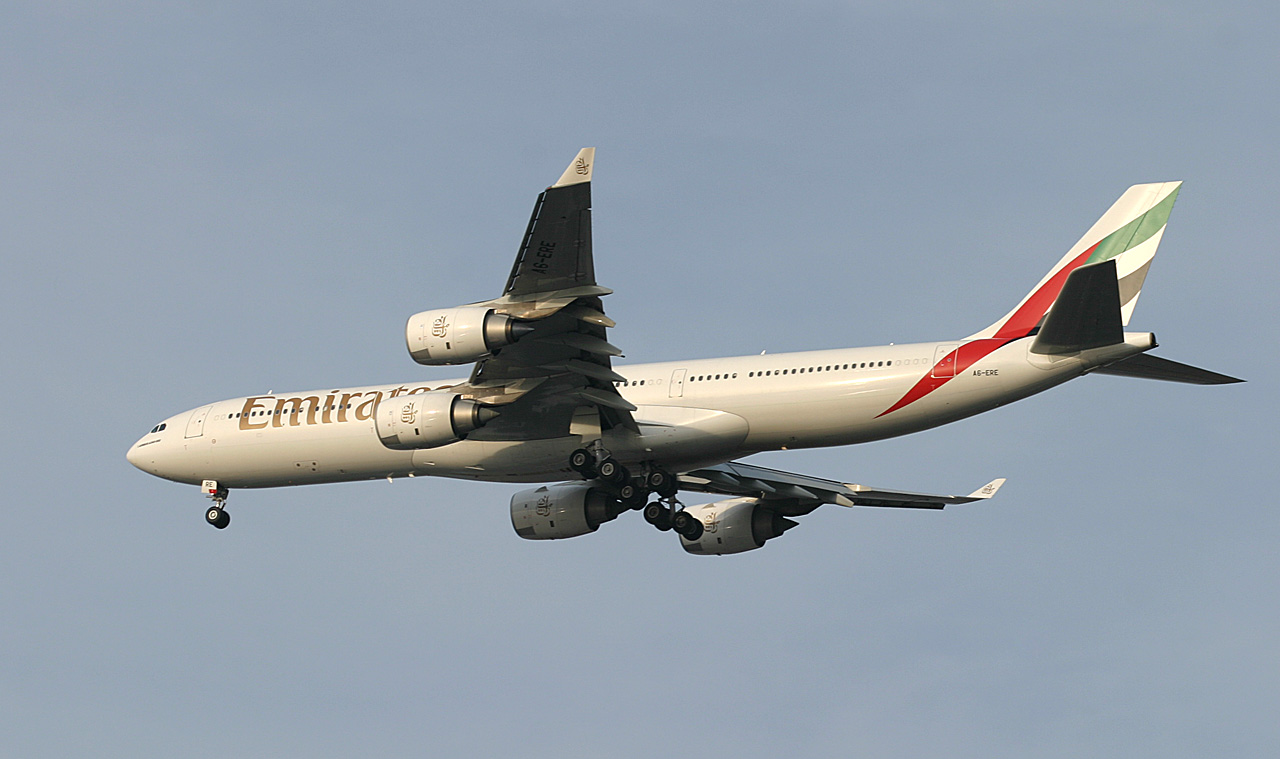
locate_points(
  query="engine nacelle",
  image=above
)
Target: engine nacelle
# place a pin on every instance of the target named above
(560, 511)
(734, 526)
(427, 420)
(460, 335)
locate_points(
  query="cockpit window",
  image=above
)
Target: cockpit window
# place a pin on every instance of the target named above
(158, 428)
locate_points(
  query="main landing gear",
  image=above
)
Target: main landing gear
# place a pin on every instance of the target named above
(668, 514)
(632, 492)
(216, 514)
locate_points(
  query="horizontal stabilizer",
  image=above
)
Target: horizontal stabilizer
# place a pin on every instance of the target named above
(1085, 315)
(1146, 366)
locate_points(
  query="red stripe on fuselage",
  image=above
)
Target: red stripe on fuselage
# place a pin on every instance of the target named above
(1030, 313)
(962, 358)
(1020, 324)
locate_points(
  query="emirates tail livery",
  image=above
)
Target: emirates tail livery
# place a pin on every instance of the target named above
(544, 403)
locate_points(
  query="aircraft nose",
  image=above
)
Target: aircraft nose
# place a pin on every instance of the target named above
(134, 456)
(144, 454)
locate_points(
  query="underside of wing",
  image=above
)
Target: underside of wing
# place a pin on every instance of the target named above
(796, 494)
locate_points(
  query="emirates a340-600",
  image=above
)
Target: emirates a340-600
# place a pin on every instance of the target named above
(544, 402)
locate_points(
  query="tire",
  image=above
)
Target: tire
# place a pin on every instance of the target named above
(217, 517)
(662, 482)
(582, 462)
(688, 527)
(612, 472)
(636, 501)
(658, 515)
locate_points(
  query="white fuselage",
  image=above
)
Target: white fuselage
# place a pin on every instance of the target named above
(690, 413)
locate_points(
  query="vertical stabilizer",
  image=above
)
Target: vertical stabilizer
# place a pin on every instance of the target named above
(1128, 233)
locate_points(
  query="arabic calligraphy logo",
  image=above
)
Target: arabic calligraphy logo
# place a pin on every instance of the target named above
(409, 413)
(710, 523)
(582, 167)
(544, 506)
(440, 327)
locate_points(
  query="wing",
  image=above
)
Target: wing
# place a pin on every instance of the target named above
(798, 494)
(559, 374)
(556, 251)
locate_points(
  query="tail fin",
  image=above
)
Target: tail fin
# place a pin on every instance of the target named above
(1128, 233)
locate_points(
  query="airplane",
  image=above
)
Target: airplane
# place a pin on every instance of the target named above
(544, 402)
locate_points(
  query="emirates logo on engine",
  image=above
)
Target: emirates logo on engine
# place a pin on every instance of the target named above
(710, 523)
(409, 413)
(544, 506)
(440, 327)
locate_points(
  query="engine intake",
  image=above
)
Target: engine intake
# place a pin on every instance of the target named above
(460, 335)
(428, 420)
(734, 526)
(561, 511)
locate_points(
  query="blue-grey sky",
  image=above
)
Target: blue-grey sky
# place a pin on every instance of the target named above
(200, 201)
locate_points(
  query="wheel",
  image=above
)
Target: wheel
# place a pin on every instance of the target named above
(661, 482)
(217, 517)
(583, 462)
(636, 500)
(627, 492)
(688, 527)
(613, 472)
(658, 515)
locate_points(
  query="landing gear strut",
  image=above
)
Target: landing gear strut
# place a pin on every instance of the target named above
(216, 514)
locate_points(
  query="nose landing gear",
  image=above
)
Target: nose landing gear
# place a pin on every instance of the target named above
(216, 514)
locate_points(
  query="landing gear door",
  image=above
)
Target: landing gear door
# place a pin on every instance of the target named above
(195, 427)
(677, 384)
(944, 361)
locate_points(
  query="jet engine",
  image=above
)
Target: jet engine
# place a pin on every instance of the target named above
(460, 335)
(427, 420)
(734, 526)
(560, 511)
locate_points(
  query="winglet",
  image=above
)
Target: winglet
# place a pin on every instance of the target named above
(988, 490)
(579, 170)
